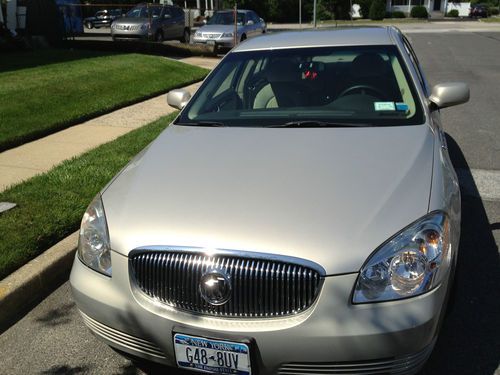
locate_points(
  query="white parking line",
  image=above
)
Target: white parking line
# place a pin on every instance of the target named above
(480, 182)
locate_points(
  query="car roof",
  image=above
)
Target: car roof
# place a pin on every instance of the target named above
(350, 36)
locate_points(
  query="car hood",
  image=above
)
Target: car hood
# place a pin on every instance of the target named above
(218, 28)
(329, 195)
(132, 21)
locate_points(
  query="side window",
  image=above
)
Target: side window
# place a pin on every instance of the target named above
(178, 12)
(416, 65)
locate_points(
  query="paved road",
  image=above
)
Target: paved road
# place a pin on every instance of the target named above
(51, 339)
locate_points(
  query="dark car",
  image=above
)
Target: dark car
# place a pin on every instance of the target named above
(478, 10)
(102, 18)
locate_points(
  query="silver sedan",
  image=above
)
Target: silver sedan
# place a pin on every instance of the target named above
(301, 215)
(221, 30)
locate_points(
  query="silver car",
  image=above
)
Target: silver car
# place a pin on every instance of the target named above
(152, 22)
(220, 29)
(301, 215)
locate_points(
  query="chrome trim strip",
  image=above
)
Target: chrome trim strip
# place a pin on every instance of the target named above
(234, 253)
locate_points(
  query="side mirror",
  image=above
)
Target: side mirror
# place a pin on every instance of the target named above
(250, 22)
(449, 94)
(178, 98)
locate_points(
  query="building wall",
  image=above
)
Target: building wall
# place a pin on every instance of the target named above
(463, 8)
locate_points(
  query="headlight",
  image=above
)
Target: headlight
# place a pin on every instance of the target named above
(93, 243)
(412, 262)
(227, 35)
(198, 34)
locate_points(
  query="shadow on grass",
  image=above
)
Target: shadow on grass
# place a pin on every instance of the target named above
(39, 57)
(468, 343)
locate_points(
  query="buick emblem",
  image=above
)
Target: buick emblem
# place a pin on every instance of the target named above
(215, 287)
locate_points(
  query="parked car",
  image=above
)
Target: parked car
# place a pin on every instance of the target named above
(152, 22)
(219, 30)
(301, 215)
(478, 10)
(102, 18)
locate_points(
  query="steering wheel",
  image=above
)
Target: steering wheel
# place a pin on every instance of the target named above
(348, 91)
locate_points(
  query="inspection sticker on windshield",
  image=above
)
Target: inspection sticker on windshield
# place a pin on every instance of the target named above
(402, 107)
(385, 106)
(213, 356)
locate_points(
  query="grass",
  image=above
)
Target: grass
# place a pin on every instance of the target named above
(45, 91)
(491, 19)
(51, 205)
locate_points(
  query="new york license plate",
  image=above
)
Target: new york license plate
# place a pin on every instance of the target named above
(214, 356)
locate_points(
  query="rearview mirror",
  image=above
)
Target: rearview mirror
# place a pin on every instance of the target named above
(449, 94)
(178, 98)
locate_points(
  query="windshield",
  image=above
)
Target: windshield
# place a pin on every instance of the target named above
(226, 18)
(348, 85)
(142, 12)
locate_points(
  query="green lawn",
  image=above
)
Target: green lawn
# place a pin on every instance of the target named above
(45, 91)
(490, 19)
(50, 206)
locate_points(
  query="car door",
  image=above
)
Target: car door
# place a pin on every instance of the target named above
(179, 22)
(168, 23)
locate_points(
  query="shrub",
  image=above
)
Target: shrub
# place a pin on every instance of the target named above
(377, 10)
(452, 13)
(398, 14)
(493, 11)
(364, 7)
(419, 12)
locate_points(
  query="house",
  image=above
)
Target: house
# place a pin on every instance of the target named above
(436, 8)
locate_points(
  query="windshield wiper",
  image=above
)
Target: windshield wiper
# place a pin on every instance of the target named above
(318, 124)
(203, 123)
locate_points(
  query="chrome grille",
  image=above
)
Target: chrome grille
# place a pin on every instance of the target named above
(260, 287)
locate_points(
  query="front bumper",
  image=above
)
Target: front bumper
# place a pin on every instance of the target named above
(130, 35)
(219, 42)
(332, 333)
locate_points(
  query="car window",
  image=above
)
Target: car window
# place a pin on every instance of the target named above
(359, 85)
(226, 18)
(144, 12)
(416, 65)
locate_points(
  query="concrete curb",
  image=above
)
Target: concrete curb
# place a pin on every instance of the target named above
(31, 283)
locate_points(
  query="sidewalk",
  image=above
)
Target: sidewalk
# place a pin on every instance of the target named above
(30, 159)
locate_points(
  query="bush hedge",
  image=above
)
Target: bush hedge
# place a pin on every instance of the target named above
(377, 10)
(398, 14)
(452, 13)
(419, 12)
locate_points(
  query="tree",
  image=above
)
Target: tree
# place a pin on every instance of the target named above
(364, 7)
(377, 10)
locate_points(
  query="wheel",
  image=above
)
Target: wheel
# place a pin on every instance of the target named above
(243, 38)
(363, 88)
(159, 36)
(186, 36)
(89, 25)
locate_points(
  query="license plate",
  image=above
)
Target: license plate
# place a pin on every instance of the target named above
(213, 356)
(211, 42)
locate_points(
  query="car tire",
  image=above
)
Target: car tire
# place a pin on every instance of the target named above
(89, 25)
(159, 36)
(243, 38)
(186, 36)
